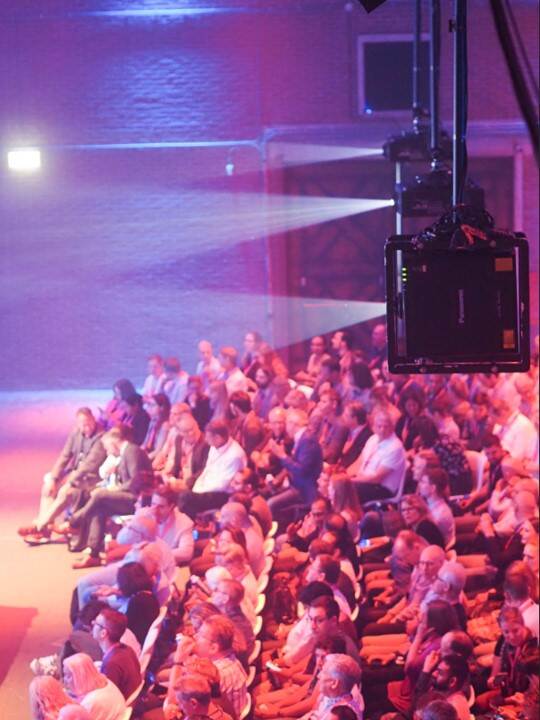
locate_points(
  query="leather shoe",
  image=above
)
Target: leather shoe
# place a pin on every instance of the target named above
(75, 545)
(89, 561)
(28, 530)
(37, 538)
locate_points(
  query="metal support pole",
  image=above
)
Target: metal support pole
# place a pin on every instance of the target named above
(459, 170)
(417, 37)
(399, 216)
(434, 67)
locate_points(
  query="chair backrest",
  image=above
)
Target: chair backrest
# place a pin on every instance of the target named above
(401, 487)
(150, 640)
(261, 601)
(269, 545)
(252, 672)
(477, 463)
(255, 652)
(246, 709)
(268, 562)
(257, 627)
(262, 582)
(135, 694)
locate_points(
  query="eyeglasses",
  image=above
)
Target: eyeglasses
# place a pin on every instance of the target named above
(95, 623)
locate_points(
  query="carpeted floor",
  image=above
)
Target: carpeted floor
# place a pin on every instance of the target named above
(36, 583)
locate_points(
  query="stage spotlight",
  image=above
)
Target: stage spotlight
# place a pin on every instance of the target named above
(430, 195)
(311, 153)
(24, 159)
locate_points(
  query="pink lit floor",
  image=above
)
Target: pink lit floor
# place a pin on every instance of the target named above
(35, 583)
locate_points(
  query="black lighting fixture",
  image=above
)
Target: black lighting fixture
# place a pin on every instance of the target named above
(414, 146)
(430, 195)
(370, 5)
(457, 294)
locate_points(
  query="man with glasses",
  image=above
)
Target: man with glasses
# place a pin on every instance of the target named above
(448, 586)
(214, 641)
(119, 662)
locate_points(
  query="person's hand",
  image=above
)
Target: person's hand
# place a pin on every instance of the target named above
(276, 449)
(184, 648)
(308, 526)
(105, 591)
(486, 525)
(422, 626)
(517, 698)
(171, 711)
(431, 661)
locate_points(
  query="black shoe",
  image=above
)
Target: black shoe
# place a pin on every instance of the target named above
(76, 545)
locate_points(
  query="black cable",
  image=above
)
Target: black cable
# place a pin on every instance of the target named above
(525, 102)
(533, 85)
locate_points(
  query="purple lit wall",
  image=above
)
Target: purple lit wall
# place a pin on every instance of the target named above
(114, 252)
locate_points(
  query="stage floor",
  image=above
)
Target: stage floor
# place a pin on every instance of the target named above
(36, 583)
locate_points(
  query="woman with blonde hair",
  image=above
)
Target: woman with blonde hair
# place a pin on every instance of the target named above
(91, 689)
(47, 698)
(344, 498)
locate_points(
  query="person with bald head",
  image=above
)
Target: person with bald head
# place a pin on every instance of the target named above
(379, 470)
(146, 548)
(448, 586)
(517, 433)
(190, 454)
(423, 576)
(208, 367)
(304, 465)
(165, 459)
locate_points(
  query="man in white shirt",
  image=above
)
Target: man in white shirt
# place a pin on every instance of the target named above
(234, 378)
(213, 486)
(379, 470)
(517, 433)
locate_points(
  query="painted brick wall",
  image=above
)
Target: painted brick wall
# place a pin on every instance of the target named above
(111, 254)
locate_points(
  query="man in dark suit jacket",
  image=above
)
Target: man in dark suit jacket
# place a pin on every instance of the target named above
(355, 419)
(304, 466)
(124, 484)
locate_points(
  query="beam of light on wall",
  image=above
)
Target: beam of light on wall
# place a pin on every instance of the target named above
(169, 224)
(24, 160)
(306, 153)
(157, 12)
(307, 316)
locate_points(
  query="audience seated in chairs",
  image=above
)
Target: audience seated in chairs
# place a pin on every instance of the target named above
(357, 580)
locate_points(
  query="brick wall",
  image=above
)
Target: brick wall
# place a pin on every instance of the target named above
(111, 254)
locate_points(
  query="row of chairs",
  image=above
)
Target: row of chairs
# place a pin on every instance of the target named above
(268, 547)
